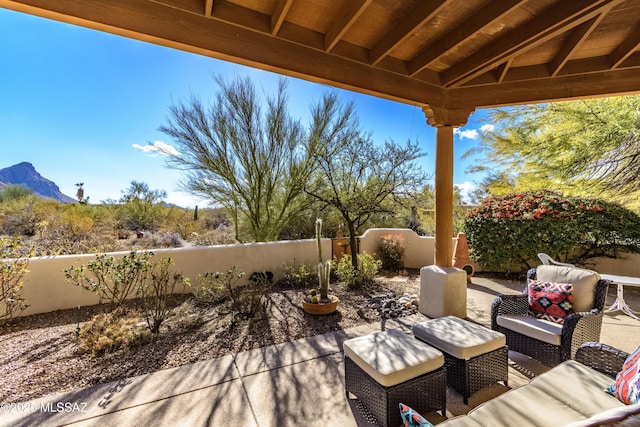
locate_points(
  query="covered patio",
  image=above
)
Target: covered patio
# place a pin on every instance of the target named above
(299, 382)
(450, 57)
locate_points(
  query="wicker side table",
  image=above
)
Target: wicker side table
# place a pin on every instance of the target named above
(475, 356)
(390, 367)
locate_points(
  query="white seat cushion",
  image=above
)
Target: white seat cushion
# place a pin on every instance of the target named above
(458, 337)
(392, 357)
(539, 329)
(584, 283)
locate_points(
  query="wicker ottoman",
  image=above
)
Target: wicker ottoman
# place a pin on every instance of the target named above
(475, 356)
(390, 367)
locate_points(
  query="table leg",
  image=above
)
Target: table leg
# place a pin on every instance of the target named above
(621, 305)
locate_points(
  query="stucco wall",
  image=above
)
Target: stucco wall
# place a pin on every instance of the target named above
(45, 288)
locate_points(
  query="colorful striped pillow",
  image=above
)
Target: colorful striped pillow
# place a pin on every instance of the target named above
(627, 385)
(411, 418)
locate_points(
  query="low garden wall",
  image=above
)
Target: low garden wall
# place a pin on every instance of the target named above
(46, 290)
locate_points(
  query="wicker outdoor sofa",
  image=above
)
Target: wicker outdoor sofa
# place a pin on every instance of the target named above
(571, 394)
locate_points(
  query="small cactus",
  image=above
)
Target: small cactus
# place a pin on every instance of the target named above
(315, 299)
(313, 292)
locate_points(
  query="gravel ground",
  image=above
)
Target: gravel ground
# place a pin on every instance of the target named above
(41, 354)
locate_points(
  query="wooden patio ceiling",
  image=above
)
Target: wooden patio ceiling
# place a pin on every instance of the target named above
(449, 54)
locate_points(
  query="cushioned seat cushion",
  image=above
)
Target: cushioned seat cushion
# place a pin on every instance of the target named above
(577, 386)
(584, 283)
(524, 406)
(541, 330)
(392, 357)
(623, 416)
(459, 338)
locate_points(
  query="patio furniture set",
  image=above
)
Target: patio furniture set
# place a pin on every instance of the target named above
(557, 321)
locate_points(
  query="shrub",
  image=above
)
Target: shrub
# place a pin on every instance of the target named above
(14, 261)
(300, 276)
(113, 280)
(107, 332)
(506, 233)
(245, 300)
(368, 267)
(156, 291)
(391, 251)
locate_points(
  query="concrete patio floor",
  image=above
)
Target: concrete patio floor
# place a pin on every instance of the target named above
(294, 383)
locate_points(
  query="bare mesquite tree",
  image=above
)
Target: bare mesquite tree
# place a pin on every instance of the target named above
(253, 157)
(360, 178)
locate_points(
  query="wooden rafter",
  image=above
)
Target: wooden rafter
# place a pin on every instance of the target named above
(453, 38)
(422, 13)
(577, 37)
(502, 71)
(549, 24)
(626, 48)
(495, 57)
(280, 12)
(342, 25)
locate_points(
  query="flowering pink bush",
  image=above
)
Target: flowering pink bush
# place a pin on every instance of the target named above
(509, 231)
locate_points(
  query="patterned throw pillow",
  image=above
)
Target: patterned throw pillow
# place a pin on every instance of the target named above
(627, 385)
(550, 301)
(411, 418)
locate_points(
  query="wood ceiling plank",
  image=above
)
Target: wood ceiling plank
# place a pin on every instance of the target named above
(139, 19)
(279, 14)
(577, 37)
(424, 12)
(626, 48)
(344, 23)
(559, 18)
(462, 32)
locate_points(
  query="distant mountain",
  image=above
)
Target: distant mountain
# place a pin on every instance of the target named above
(25, 174)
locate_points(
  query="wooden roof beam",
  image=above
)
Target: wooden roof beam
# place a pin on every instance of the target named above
(208, 8)
(344, 23)
(503, 70)
(481, 19)
(549, 24)
(424, 12)
(626, 48)
(605, 83)
(577, 37)
(279, 13)
(194, 33)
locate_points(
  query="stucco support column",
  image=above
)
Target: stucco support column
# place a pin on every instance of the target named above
(445, 121)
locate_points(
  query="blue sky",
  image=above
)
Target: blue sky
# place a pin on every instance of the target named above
(85, 106)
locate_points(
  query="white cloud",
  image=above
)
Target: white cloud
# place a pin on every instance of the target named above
(487, 128)
(467, 133)
(466, 188)
(157, 147)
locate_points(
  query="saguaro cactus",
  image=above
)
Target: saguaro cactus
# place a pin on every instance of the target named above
(324, 268)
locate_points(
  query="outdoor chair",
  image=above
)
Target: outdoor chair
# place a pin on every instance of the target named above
(547, 260)
(546, 337)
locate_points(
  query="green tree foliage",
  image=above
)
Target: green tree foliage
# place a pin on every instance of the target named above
(249, 159)
(587, 147)
(507, 232)
(14, 192)
(355, 176)
(142, 207)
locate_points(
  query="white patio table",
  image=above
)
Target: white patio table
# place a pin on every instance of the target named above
(620, 304)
